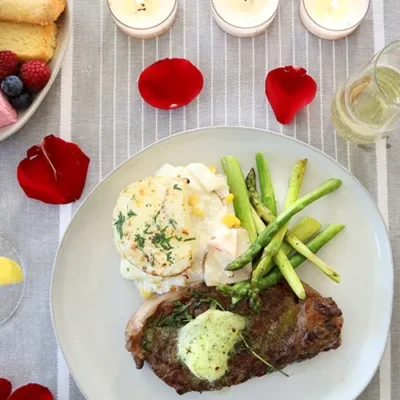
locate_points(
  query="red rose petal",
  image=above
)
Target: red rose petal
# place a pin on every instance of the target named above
(170, 83)
(54, 172)
(5, 389)
(288, 90)
(32, 391)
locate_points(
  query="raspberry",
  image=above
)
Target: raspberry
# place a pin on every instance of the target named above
(35, 74)
(8, 64)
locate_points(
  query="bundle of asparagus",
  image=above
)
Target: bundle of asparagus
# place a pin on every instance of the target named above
(275, 250)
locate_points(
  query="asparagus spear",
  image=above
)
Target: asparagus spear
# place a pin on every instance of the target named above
(290, 238)
(287, 271)
(258, 222)
(265, 265)
(303, 230)
(240, 289)
(262, 240)
(273, 248)
(266, 187)
(241, 200)
(314, 246)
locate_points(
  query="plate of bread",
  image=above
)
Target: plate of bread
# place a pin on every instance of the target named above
(33, 41)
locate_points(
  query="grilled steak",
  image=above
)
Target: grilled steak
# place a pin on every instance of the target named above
(287, 330)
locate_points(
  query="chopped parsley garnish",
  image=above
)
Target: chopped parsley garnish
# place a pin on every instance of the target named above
(179, 317)
(182, 314)
(178, 238)
(162, 241)
(189, 239)
(140, 241)
(119, 224)
(156, 216)
(169, 256)
(173, 223)
(176, 187)
(131, 213)
(146, 229)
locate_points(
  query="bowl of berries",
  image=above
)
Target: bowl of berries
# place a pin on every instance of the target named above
(29, 66)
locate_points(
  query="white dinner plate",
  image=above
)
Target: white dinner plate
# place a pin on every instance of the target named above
(91, 303)
(64, 24)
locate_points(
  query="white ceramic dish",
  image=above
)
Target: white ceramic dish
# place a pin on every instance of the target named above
(91, 303)
(65, 28)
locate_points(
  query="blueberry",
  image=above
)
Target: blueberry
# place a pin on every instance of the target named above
(12, 86)
(21, 102)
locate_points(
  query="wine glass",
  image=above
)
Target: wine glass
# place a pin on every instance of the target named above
(366, 107)
(10, 295)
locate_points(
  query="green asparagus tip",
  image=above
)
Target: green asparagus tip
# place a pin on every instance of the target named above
(226, 290)
(337, 182)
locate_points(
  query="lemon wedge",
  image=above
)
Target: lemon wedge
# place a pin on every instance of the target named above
(10, 272)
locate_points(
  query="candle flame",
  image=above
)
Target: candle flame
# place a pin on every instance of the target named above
(334, 5)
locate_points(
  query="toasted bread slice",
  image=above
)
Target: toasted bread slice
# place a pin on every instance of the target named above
(29, 41)
(41, 12)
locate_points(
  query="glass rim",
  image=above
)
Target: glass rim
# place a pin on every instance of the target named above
(375, 66)
(247, 27)
(332, 29)
(143, 29)
(19, 260)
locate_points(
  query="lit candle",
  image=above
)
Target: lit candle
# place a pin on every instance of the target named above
(244, 18)
(144, 19)
(333, 19)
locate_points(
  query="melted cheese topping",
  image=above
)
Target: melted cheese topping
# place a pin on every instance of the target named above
(205, 343)
(152, 226)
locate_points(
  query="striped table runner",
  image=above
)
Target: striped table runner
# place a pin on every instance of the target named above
(95, 103)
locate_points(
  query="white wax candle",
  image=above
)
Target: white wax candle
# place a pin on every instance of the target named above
(244, 18)
(144, 19)
(333, 19)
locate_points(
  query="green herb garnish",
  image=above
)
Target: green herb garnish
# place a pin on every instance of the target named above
(189, 239)
(161, 240)
(146, 229)
(176, 187)
(173, 223)
(140, 241)
(119, 224)
(131, 213)
(178, 318)
(156, 216)
(169, 256)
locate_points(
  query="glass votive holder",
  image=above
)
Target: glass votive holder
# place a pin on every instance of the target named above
(10, 294)
(244, 18)
(144, 19)
(333, 19)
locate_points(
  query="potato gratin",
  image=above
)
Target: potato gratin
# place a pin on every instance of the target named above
(177, 228)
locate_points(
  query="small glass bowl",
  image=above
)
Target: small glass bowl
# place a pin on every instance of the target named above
(10, 295)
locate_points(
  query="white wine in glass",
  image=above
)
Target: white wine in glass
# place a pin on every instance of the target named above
(12, 283)
(366, 108)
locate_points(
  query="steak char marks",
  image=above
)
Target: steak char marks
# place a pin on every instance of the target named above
(286, 330)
